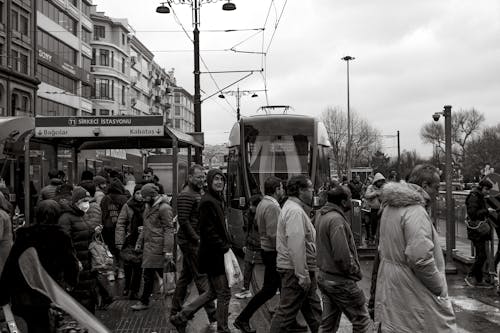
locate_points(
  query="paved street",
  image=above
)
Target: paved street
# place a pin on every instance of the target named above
(477, 310)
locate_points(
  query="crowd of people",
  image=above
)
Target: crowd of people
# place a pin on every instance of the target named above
(304, 250)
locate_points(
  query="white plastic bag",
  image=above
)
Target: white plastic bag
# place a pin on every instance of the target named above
(233, 271)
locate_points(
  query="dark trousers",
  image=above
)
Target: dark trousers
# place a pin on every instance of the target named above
(149, 280)
(133, 273)
(294, 299)
(218, 289)
(272, 283)
(373, 225)
(247, 274)
(347, 298)
(189, 274)
(477, 268)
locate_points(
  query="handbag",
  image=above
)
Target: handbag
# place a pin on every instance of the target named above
(481, 229)
(102, 259)
(129, 254)
(233, 271)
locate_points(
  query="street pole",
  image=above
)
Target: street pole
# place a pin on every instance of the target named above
(238, 103)
(399, 159)
(348, 152)
(197, 94)
(450, 221)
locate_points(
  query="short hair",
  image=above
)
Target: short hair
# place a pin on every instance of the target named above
(423, 173)
(295, 184)
(192, 169)
(270, 185)
(89, 186)
(255, 199)
(61, 174)
(148, 170)
(54, 173)
(87, 175)
(338, 193)
(485, 183)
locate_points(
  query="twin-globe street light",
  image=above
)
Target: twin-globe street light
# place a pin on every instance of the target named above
(348, 153)
(195, 4)
(238, 93)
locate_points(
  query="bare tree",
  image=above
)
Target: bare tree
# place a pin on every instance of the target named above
(365, 139)
(466, 125)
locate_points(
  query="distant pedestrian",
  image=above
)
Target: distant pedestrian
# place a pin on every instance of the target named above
(296, 259)
(148, 176)
(266, 218)
(252, 247)
(411, 290)
(478, 219)
(188, 239)
(373, 199)
(356, 187)
(157, 239)
(100, 188)
(214, 242)
(339, 266)
(49, 191)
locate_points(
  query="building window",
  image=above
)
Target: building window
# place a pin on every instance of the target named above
(177, 98)
(177, 123)
(74, 3)
(86, 35)
(53, 44)
(177, 110)
(103, 57)
(93, 57)
(124, 39)
(123, 94)
(99, 32)
(112, 59)
(50, 108)
(24, 25)
(123, 65)
(14, 20)
(57, 15)
(104, 112)
(86, 8)
(56, 79)
(15, 60)
(23, 63)
(86, 63)
(2, 20)
(104, 89)
(86, 91)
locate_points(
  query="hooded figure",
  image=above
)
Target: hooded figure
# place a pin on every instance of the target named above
(57, 256)
(411, 293)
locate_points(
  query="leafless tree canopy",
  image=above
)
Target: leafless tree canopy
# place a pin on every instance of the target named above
(365, 139)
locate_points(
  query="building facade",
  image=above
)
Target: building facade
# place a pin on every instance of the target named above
(182, 115)
(64, 31)
(18, 66)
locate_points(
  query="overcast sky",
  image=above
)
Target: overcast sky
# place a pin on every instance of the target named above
(412, 57)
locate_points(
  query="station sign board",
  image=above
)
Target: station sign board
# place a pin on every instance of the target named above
(114, 126)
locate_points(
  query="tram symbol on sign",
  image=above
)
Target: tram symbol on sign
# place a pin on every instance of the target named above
(72, 122)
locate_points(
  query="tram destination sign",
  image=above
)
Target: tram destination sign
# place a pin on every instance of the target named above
(116, 126)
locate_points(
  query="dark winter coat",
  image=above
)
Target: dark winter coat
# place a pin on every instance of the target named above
(49, 191)
(214, 240)
(187, 215)
(158, 233)
(129, 221)
(356, 188)
(475, 204)
(81, 233)
(57, 256)
(112, 204)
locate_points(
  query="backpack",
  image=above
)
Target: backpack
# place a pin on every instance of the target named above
(102, 259)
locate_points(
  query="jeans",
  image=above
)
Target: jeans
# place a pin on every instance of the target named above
(294, 299)
(271, 284)
(218, 289)
(149, 280)
(247, 274)
(477, 268)
(188, 274)
(133, 274)
(345, 297)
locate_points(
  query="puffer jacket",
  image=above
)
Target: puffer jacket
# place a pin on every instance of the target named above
(158, 233)
(129, 221)
(112, 204)
(81, 233)
(94, 214)
(411, 291)
(49, 191)
(373, 192)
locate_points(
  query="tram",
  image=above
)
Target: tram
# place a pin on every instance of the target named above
(281, 145)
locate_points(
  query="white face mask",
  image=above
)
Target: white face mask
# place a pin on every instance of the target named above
(84, 206)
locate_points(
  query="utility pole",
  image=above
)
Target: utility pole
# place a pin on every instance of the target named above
(348, 150)
(197, 95)
(399, 159)
(238, 94)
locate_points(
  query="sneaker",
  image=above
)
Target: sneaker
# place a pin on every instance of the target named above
(121, 274)
(111, 276)
(179, 323)
(470, 281)
(244, 326)
(139, 306)
(244, 294)
(212, 326)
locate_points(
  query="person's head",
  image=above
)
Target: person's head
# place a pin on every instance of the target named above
(89, 186)
(87, 175)
(357, 178)
(427, 177)
(64, 191)
(100, 182)
(81, 199)
(137, 192)
(116, 174)
(54, 173)
(150, 193)
(301, 187)
(485, 186)
(340, 196)
(47, 212)
(196, 177)
(273, 186)
(254, 202)
(61, 175)
(344, 179)
(148, 174)
(378, 179)
(216, 181)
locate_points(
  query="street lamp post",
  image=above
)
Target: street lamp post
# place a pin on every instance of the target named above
(238, 94)
(196, 4)
(450, 218)
(348, 150)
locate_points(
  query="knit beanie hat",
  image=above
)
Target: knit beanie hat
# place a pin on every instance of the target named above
(137, 187)
(79, 193)
(98, 180)
(149, 190)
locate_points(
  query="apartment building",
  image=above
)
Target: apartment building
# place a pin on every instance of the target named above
(183, 110)
(18, 84)
(64, 31)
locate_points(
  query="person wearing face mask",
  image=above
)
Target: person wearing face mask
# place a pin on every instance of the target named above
(81, 232)
(296, 259)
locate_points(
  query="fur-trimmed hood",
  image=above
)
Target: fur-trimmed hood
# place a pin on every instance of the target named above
(404, 194)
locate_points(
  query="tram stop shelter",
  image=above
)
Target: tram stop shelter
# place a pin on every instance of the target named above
(94, 133)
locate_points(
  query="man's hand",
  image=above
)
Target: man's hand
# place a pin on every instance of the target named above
(305, 283)
(98, 230)
(80, 266)
(168, 256)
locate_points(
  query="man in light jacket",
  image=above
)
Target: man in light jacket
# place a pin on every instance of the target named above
(373, 200)
(411, 293)
(296, 260)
